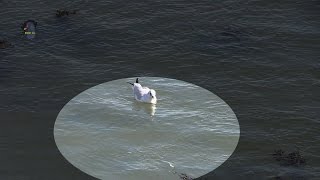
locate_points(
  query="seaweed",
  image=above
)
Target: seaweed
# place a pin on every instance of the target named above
(184, 176)
(278, 154)
(294, 158)
(60, 13)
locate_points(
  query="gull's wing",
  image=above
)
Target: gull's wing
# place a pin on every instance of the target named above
(137, 91)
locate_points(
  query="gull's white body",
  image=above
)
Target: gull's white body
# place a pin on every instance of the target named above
(144, 94)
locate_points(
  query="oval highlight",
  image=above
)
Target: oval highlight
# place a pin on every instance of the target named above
(107, 134)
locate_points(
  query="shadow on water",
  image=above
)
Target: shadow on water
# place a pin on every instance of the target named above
(5, 44)
(149, 109)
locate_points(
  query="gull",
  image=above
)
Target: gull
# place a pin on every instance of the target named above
(143, 94)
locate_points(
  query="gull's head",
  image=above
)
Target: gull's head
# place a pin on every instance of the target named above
(152, 94)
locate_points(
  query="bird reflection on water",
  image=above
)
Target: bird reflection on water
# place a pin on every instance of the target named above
(149, 109)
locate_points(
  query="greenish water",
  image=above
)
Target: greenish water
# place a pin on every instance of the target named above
(104, 132)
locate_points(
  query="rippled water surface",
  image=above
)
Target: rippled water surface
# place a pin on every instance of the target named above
(259, 56)
(106, 133)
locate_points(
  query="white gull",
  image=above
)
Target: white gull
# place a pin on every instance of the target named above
(143, 94)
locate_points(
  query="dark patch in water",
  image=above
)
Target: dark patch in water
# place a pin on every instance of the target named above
(183, 176)
(60, 13)
(278, 154)
(5, 44)
(229, 36)
(288, 177)
(290, 159)
(232, 34)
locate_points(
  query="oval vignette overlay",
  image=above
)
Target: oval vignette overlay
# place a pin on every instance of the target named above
(107, 134)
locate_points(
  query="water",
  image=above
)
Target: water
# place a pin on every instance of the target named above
(103, 131)
(261, 57)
